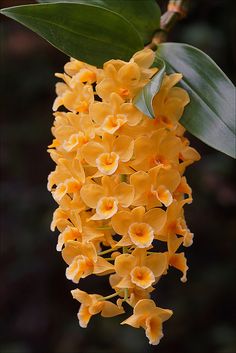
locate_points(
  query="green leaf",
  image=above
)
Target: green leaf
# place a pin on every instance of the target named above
(143, 101)
(210, 115)
(88, 33)
(143, 14)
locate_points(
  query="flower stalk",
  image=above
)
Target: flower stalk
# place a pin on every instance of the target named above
(176, 11)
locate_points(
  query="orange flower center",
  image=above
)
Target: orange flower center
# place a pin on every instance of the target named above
(82, 107)
(166, 121)
(159, 160)
(87, 75)
(124, 92)
(113, 122)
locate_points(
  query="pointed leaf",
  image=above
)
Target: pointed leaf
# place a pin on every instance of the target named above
(85, 32)
(210, 115)
(143, 14)
(143, 101)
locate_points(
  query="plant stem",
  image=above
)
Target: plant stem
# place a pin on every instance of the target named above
(107, 251)
(176, 10)
(125, 249)
(123, 177)
(112, 295)
(104, 228)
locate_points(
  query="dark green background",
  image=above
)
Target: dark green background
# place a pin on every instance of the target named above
(38, 313)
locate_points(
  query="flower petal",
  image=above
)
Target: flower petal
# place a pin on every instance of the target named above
(91, 152)
(157, 263)
(99, 110)
(110, 309)
(179, 261)
(156, 218)
(120, 222)
(124, 147)
(124, 194)
(124, 264)
(144, 307)
(153, 329)
(102, 266)
(91, 193)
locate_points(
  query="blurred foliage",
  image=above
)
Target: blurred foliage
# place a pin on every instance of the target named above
(38, 313)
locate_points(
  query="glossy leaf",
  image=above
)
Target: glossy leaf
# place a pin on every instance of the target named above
(210, 115)
(143, 14)
(88, 33)
(143, 101)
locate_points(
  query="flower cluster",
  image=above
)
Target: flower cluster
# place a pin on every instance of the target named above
(120, 187)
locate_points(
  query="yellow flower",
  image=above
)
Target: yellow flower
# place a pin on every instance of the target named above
(70, 186)
(126, 79)
(76, 99)
(109, 154)
(85, 231)
(69, 233)
(80, 258)
(109, 117)
(92, 304)
(138, 269)
(81, 71)
(170, 101)
(83, 260)
(63, 218)
(107, 197)
(175, 223)
(138, 227)
(177, 260)
(183, 189)
(156, 187)
(71, 131)
(150, 317)
(66, 169)
(162, 148)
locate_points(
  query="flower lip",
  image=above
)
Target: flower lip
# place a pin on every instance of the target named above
(142, 276)
(113, 122)
(107, 207)
(141, 234)
(107, 163)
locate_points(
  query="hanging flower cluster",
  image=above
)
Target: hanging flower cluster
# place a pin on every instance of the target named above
(120, 187)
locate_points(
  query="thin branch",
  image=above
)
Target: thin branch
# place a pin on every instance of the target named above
(176, 11)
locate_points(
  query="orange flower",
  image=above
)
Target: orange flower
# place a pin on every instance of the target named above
(176, 224)
(83, 261)
(170, 101)
(138, 269)
(161, 149)
(107, 197)
(150, 317)
(109, 154)
(109, 117)
(126, 79)
(138, 227)
(92, 304)
(156, 187)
